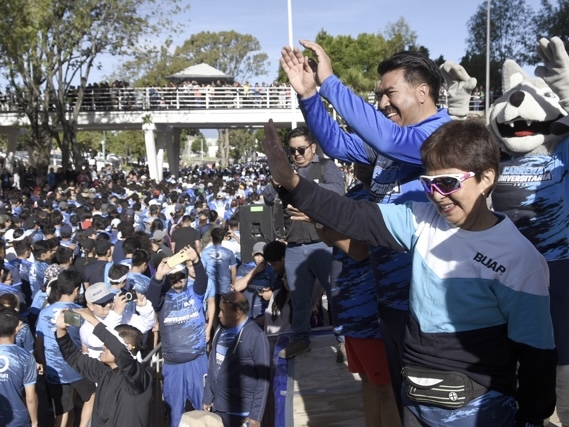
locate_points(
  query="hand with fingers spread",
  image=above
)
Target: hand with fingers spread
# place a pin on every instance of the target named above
(277, 159)
(323, 67)
(298, 71)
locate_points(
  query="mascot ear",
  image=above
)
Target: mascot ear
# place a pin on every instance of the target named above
(512, 75)
(460, 86)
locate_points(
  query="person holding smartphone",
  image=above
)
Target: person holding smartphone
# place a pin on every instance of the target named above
(124, 385)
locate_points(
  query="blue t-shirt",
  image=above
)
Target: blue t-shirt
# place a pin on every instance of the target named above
(57, 370)
(218, 261)
(138, 281)
(182, 325)
(17, 370)
(37, 272)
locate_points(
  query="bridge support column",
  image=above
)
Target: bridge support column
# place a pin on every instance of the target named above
(164, 141)
(148, 129)
(12, 134)
(173, 152)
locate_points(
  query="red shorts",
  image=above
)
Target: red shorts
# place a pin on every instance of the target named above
(367, 356)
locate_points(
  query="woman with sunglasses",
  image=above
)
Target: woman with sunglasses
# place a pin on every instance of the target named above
(479, 347)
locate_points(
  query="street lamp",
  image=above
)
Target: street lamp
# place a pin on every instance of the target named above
(290, 43)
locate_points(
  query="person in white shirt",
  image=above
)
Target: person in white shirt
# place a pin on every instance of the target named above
(109, 309)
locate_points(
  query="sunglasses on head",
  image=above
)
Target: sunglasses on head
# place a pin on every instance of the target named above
(299, 150)
(444, 184)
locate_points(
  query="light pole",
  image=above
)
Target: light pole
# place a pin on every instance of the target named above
(487, 93)
(290, 43)
(103, 142)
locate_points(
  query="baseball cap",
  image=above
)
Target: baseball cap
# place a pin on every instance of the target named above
(159, 235)
(115, 222)
(258, 248)
(98, 293)
(30, 222)
(65, 230)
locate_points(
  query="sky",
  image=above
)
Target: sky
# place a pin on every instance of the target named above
(440, 25)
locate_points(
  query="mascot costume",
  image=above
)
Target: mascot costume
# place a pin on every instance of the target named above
(531, 124)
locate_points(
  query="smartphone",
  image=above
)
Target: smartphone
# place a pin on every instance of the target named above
(71, 318)
(176, 259)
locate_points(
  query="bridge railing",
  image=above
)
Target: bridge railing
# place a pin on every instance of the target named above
(174, 98)
(189, 98)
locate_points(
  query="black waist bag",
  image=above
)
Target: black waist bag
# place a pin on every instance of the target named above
(446, 389)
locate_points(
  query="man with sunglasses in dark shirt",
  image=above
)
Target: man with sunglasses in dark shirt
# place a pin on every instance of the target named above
(307, 257)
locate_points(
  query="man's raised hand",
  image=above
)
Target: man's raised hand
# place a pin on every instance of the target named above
(277, 159)
(299, 73)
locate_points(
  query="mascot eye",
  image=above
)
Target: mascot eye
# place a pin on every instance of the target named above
(550, 95)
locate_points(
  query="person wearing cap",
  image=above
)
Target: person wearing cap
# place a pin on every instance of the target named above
(159, 249)
(12, 236)
(256, 279)
(110, 308)
(180, 307)
(61, 379)
(124, 385)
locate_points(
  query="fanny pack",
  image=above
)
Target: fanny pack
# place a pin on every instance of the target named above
(446, 389)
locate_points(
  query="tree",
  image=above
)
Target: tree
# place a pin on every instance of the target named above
(553, 21)
(243, 143)
(509, 35)
(48, 49)
(235, 54)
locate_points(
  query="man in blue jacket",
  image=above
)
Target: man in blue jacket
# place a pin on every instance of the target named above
(237, 382)
(388, 137)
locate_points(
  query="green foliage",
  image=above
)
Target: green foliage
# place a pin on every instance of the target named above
(235, 54)
(510, 21)
(553, 20)
(49, 46)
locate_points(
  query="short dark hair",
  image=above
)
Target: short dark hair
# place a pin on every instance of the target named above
(9, 320)
(132, 334)
(462, 144)
(139, 257)
(117, 271)
(418, 69)
(130, 244)
(274, 251)
(301, 131)
(67, 282)
(237, 301)
(217, 235)
(63, 254)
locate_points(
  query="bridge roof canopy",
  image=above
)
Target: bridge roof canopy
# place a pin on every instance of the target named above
(200, 73)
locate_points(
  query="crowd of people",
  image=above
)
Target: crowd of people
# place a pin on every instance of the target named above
(429, 305)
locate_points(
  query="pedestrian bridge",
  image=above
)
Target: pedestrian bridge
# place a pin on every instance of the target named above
(174, 107)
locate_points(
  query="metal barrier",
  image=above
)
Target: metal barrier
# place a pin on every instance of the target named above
(158, 413)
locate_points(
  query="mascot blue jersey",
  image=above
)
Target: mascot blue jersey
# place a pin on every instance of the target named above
(533, 190)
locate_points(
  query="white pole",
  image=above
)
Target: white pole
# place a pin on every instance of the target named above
(487, 92)
(290, 43)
